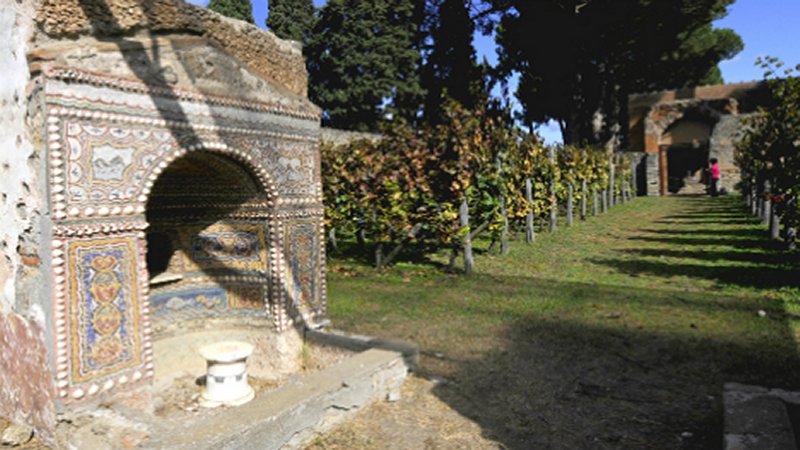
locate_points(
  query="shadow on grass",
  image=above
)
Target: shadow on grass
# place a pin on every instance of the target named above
(775, 259)
(710, 234)
(759, 262)
(601, 378)
(540, 363)
(750, 276)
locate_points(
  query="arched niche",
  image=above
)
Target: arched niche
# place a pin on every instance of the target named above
(208, 257)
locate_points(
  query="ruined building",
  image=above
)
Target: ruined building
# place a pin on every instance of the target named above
(159, 183)
(680, 130)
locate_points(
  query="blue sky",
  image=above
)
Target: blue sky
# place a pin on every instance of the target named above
(768, 27)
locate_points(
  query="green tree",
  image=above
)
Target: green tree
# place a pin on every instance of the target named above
(363, 62)
(291, 19)
(450, 69)
(579, 59)
(236, 9)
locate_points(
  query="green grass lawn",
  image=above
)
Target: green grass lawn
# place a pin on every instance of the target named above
(616, 332)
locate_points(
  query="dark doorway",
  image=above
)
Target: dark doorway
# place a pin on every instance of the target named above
(686, 166)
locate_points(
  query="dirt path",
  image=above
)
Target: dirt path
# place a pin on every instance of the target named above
(621, 338)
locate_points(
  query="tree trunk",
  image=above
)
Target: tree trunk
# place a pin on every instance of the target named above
(530, 233)
(569, 204)
(605, 200)
(595, 203)
(634, 181)
(463, 218)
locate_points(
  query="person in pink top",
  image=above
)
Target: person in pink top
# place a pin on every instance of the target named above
(715, 174)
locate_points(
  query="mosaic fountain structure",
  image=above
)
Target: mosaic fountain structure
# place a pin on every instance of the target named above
(172, 171)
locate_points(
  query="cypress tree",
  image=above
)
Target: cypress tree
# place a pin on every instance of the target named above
(235, 9)
(451, 69)
(291, 19)
(362, 62)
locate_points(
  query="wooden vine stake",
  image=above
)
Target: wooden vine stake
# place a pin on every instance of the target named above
(766, 205)
(463, 219)
(583, 199)
(611, 200)
(530, 232)
(570, 199)
(553, 204)
(503, 211)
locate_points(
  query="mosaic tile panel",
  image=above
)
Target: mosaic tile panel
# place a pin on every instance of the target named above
(104, 309)
(107, 164)
(236, 246)
(197, 299)
(303, 265)
(194, 298)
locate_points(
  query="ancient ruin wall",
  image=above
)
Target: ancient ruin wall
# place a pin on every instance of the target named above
(26, 383)
(722, 146)
(278, 61)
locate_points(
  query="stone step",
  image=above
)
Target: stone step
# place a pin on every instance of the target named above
(757, 418)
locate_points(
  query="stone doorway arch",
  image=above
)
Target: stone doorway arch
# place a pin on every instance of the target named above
(664, 118)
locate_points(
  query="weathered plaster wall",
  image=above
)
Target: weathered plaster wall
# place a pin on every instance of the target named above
(26, 383)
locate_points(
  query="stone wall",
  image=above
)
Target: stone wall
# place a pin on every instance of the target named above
(652, 180)
(341, 137)
(722, 147)
(748, 97)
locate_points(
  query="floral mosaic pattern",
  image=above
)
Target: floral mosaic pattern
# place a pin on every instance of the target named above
(303, 264)
(104, 308)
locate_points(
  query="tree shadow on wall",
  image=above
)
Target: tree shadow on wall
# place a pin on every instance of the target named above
(612, 382)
